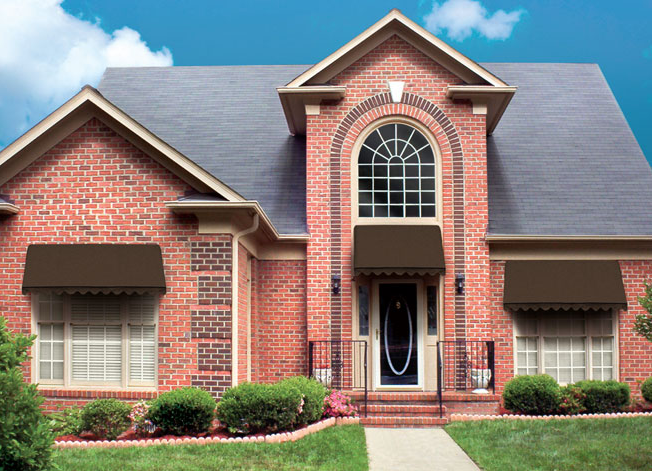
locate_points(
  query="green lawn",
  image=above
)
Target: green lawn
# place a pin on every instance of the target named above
(336, 448)
(583, 444)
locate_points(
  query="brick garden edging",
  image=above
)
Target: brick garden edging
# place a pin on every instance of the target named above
(273, 438)
(473, 418)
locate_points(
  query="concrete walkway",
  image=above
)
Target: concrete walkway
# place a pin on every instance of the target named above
(415, 449)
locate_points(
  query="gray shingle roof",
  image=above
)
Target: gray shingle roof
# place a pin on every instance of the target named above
(562, 161)
(228, 120)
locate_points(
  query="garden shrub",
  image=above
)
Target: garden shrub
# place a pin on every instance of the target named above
(106, 418)
(66, 422)
(259, 408)
(25, 436)
(572, 400)
(184, 411)
(313, 398)
(532, 395)
(338, 404)
(646, 389)
(604, 396)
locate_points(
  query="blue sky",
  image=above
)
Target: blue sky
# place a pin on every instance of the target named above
(617, 36)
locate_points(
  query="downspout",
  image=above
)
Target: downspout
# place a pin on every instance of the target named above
(235, 279)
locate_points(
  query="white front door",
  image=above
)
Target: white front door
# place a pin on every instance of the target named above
(398, 335)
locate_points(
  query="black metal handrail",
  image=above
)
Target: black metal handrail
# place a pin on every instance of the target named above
(464, 365)
(339, 364)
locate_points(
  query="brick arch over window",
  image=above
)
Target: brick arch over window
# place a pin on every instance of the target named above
(444, 131)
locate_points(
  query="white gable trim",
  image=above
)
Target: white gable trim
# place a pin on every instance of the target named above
(30, 146)
(397, 23)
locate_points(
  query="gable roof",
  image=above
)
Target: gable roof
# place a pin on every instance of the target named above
(89, 103)
(476, 82)
(563, 160)
(229, 121)
(395, 23)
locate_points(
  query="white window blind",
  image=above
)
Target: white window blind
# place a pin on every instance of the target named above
(142, 339)
(97, 353)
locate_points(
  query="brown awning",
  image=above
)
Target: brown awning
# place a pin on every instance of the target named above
(94, 268)
(563, 284)
(398, 250)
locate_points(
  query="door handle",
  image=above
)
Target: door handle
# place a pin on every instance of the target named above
(377, 334)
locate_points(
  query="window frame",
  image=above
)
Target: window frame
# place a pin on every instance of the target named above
(67, 382)
(589, 334)
(355, 154)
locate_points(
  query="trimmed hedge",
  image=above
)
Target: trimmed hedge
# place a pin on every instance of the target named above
(532, 395)
(604, 396)
(259, 408)
(106, 418)
(185, 411)
(313, 398)
(646, 389)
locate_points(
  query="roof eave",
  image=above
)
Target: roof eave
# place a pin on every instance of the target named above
(8, 208)
(494, 98)
(195, 207)
(295, 99)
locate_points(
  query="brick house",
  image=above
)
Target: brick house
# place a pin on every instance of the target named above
(422, 227)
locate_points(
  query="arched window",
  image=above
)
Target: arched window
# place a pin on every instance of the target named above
(396, 174)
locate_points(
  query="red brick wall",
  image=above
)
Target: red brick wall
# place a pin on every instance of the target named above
(635, 354)
(329, 250)
(95, 187)
(501, 328)
(243, 308)
(279, 344)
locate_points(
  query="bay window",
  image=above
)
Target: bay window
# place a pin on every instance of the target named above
(569, 345)
(96, 340)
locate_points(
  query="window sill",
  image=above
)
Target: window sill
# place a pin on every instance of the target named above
(97, 393)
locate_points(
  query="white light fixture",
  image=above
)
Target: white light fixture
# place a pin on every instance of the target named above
(396, 90)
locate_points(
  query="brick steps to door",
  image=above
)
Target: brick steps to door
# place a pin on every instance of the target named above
(401, 410)
(380, 421)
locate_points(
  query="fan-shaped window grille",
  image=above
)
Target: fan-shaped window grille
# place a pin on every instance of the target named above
(396, 174)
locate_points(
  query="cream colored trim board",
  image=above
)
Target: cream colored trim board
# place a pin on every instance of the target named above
(8, 208)
(394, 19)
(299, 102)
(90, 95)
(194, 207)
(572, 250)
(553, 238)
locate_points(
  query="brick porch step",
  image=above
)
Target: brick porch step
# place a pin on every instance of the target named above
(416, 397)
(402, 410)
(382, 421)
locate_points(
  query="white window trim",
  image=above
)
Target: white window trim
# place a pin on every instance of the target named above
(68, 382)
(589, 347)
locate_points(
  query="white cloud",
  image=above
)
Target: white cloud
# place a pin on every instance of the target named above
(461, 18)
(47, 55)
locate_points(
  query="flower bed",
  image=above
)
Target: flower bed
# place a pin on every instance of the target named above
(286, 410)
(187, 440)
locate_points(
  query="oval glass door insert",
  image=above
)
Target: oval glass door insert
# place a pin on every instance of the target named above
(398, 340)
